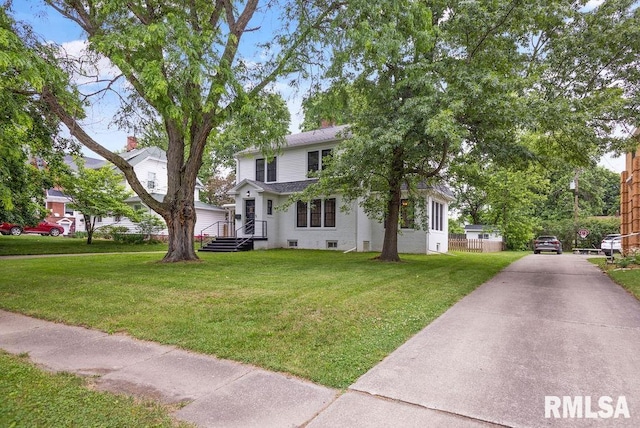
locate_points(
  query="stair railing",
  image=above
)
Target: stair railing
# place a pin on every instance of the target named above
(251, 225)
(219, 229)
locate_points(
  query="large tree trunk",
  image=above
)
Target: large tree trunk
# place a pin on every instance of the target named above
(390, 243)
(181, 222)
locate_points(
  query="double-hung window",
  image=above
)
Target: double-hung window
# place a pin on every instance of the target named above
(266, 171)
(317, 160)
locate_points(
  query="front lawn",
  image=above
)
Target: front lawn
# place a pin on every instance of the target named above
(628, 277)
(322, 315)
(36, 244)
(30, 397)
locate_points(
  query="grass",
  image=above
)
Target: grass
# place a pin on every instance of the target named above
(322, 315)
(627, 278)
(36, 244)
(32, 398)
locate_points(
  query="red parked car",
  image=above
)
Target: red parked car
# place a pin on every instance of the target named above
(44, 228)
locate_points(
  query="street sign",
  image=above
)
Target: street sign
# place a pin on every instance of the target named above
(583, 233)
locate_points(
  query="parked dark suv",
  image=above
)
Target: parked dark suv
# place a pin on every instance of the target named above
(547, 243)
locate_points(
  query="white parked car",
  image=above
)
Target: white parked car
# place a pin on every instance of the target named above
(611, 244)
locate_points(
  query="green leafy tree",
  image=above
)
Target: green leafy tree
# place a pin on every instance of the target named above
(29, 148)
(429, 80)
(512, 198)
(96, 193)
(149, 224)
(193, 68)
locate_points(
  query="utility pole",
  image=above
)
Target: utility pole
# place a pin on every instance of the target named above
(574, 186)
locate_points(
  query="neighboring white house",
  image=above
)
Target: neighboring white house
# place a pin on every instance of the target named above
(150, 166)
(261, 187)
(480, 231)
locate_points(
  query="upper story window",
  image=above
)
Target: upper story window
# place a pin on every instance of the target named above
(269, 168)
(151, 180)
(316, 159)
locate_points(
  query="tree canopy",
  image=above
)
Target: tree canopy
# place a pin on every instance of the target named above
(29, 145)
(194, 68)
(503, 82)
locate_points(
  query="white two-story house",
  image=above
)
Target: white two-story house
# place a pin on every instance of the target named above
(263, 185)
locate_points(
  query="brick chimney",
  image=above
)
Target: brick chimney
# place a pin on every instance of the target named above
(132, 143)
(325, 123)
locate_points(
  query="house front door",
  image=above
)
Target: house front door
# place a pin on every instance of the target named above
(249, 216)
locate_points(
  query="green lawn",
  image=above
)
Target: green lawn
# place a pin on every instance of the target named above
(322, 315)
(33, 398)
(36, 244)
(627, 278)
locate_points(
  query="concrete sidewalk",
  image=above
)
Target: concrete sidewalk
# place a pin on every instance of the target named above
(547, 326)
(220, 393)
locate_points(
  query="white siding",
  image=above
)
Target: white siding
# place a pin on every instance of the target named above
(291, 163)
(157, 167)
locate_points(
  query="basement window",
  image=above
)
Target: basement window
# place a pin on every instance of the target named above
(292, 243)
(332, 244)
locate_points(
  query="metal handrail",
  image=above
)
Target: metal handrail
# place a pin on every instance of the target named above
(239, 240)
(243, 240)
(217, 224)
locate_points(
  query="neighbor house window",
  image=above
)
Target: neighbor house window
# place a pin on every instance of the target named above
(316, 213)
(437, 216)
(269, 207)
(68, 210)
(483, 236)
(151, 180)
(406, 214)
(301, 217)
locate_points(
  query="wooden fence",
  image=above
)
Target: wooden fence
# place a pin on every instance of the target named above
(474, 245)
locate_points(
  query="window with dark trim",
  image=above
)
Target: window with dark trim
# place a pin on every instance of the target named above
(269, 207)
(319, 213)
(406, 214)
(260, 170)
(301, 211)
(326, 153)
(316, 159)
(316, 213)
(437, 216)
(313, 161)
(330, 212)
(271, 170)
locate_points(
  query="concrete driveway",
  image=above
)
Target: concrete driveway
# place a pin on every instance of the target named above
(550, 334)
